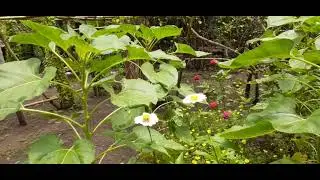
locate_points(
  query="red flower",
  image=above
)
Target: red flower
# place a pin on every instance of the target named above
(213, 105)
(226, 114)
(213, 61)
(196, 77)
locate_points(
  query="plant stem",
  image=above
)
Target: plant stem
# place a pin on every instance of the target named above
(99, 104)
(154, 155)
(84, 100)
(162, 105)
(64, 118)
(67, 64)
(106, 118)
(104, 153)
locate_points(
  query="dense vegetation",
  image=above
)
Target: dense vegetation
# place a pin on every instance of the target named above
(200, 90)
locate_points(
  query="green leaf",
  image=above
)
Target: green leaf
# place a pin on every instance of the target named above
(43, 146)
(204, 154)
(48, 150)
(87, 30)
(124, 118)
(30, 38)
(159, 54)
(142, 134)
(290, 34)
(165, 31)
(284, 161)
(109, 42)
(146, 34)
(159, 148)
(167, 75)
(135, 92)
(312, 25)
(85, 151)
(312, 56)
(180, 160)
(107, 62)
(20, 81)
(244, 132)
(185, 89)
(201, 53)
(161, 92)
(137, 53)
(296, 64)
(317, 43)
(274, 21)
(288, 84)
(185, 49)
(271, 49)
(50, 32)
(183, 133)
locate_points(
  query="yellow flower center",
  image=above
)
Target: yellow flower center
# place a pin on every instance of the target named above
(145, 117)
(194, 97)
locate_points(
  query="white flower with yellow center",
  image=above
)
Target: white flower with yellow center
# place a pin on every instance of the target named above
(146, 119)
(194, 98)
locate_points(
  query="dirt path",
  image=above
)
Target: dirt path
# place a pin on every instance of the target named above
(15, 139)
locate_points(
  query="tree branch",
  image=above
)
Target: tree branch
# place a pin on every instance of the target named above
(213, 42)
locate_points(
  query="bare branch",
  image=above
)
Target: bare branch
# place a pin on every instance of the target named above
(213, 42)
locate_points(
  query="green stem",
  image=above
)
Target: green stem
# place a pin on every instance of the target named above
(98, 105)
(63, 118)
(162, 105)
(84, 100)
(106, 118)
(7, 45)
(104, 153)
(67, 64)
(154, 155)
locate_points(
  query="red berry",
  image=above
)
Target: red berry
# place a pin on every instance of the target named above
(196, 77)
(213, 61)
(213, 104)
(226, 114)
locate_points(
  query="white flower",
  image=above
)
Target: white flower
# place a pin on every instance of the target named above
(147, 119)
(194, 98)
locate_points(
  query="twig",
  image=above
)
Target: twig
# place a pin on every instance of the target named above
(213, 42)
(39, 102)
(17, 17)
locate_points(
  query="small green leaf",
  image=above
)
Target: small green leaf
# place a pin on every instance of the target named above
(201, 53)
(159, 54)
(185, 49)
(180, 160)
(183, 133)
(185, 89)
(124, 118)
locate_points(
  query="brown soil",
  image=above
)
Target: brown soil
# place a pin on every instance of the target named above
(15, 140)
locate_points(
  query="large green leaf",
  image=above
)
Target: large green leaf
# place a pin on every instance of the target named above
(250, 131)
(43, 146)
(85, 151)
(312, 56)
(107, 62)
(30, 38)
(146, 34)
(161, 92)
(165, 31)
(167, 75)
(108, 43)
(137, 53)
(185, 49)
(87, 30)
(312, 24)
(48, 150)
(274, 21)
(290, 34)
(289, 83)
(20, 81)
(270, 49)
(124, 118)
(135, 92)
(50, 32)
(159, 54)
(185, 89)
